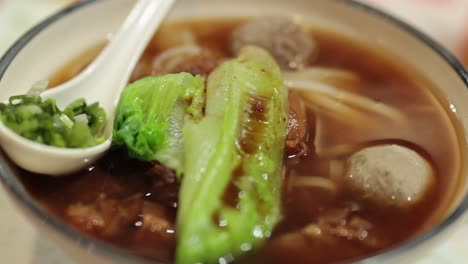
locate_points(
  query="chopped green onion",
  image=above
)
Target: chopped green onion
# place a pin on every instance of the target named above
(79, 126)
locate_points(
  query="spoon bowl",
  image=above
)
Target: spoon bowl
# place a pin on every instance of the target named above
(102, 81)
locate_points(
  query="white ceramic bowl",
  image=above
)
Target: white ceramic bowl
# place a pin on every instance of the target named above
(57, 40)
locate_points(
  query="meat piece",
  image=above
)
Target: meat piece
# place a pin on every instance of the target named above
(156, 220)
(335, 228)
(390, 174)
(191, 59)
(107, 217)
(297, 126)
(286, 40)
(155, 227)
(86, 217)
(341, 222)
(163, 173)
(344, 223)
(165, 189)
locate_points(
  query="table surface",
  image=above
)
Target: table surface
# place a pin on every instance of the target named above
(20, 243)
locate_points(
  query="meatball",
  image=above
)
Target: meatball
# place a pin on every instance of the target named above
(287, 41)
(390, 174)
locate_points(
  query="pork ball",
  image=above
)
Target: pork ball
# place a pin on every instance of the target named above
(390, 174)
(286, 40)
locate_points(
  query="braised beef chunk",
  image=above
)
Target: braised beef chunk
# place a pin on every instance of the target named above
(297, 126)
(155, 227)
(156, 220)
(335, 229)
(345, 224)
(132, 220)
(127, 202)
(165, 174)
(106, 216)
(165, 189)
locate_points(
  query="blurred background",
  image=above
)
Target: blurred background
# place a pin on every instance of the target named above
(444, 20)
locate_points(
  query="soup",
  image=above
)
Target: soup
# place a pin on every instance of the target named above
(356, 117)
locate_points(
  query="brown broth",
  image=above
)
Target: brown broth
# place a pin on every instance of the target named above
(383, 78)
(76, 65)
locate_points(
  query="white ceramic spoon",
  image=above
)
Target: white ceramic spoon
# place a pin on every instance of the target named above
(102, 81)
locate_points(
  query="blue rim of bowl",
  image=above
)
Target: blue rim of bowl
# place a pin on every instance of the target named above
(106, 249)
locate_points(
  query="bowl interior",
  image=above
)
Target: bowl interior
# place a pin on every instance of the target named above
(61, 38)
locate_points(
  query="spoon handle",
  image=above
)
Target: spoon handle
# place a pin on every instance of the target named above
(128, 44)
(104, 79)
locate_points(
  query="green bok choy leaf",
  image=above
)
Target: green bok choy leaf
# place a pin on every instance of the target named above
(230, 195)
(151, 113)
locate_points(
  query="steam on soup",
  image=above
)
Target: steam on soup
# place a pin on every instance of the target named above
(262, 142)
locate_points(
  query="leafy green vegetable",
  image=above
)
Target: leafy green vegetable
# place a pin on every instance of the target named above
(78, 126)
(150, 116)
(230, 195)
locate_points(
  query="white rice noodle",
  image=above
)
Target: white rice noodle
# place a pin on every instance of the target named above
(326, 150)
(333, 108)
(167, 39)
(170, 58)
(336, 170)
(312, 181)
(340, 78)
(309, 88)
(423, 108)
(343, 106)
(335, 151)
